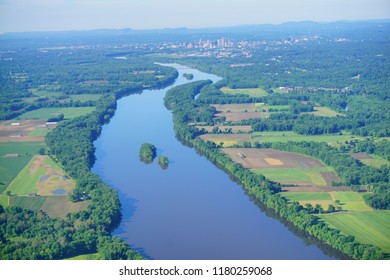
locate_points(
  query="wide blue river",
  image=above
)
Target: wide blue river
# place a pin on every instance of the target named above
(192, 210)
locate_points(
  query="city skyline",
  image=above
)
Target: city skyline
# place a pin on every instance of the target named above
(59, 15)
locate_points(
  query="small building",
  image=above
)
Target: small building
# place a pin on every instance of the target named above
(11, 155)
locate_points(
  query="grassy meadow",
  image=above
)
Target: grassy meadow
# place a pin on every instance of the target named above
(368, 227)
(46, 113)
(252, 92)
(311, 175)
(285, 136)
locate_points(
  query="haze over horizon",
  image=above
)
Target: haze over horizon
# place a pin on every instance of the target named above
(61, 15)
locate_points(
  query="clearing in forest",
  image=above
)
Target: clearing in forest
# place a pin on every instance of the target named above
(324, 112)
(370, 160)
(252, 92)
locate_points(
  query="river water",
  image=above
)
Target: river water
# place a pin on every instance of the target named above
(192, 210)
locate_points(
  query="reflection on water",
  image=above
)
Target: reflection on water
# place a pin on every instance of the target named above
(192, 210)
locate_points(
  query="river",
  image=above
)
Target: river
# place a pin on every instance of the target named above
(192, 210)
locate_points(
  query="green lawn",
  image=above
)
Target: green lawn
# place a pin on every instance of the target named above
(285, 136)
(352, 201)
(25, 182)
(368, 227)
(295, 174)
(376, 161)
(46, 113)
(297, 196)
(252, 92)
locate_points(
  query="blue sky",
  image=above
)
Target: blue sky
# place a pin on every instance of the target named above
(50, 15)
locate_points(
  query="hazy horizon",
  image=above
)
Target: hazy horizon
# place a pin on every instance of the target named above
(66, 15)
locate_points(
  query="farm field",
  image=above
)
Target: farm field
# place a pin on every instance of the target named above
(60, 205)
(370, 160)
(234, 128)
(46, 93)
(235, 108)
(352, 201)
(46, 113)
(83, 97)
(4, 200)
(321, 198)
(368, 227)
(275, 108)
(10, 168)
(236, 117)
(39, 132)
(27, 202)
(283, 167)
(349, 201)
(285, 136)
(227, 139)
(324, 112)
(21, 131)
(41, 176)
(13, 158)
(252, 92)
(26, 148)
(296, 176)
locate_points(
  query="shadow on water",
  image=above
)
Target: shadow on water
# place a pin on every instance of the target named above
(128, 209)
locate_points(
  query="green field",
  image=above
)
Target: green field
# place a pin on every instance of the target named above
(26, 202)
(324, 112)
(252, 92)
(297, 196)
(88, 257)
(312, 175)
(278, 108)
(84, 97)
(10, 168)
(46, 93)
(39, 132)
(4, 200)
(46, 113)
(60, 205)
(26, 182)
(368, 227)
(351, 201)
(21, 148)
(376, 161)
(285, 136)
